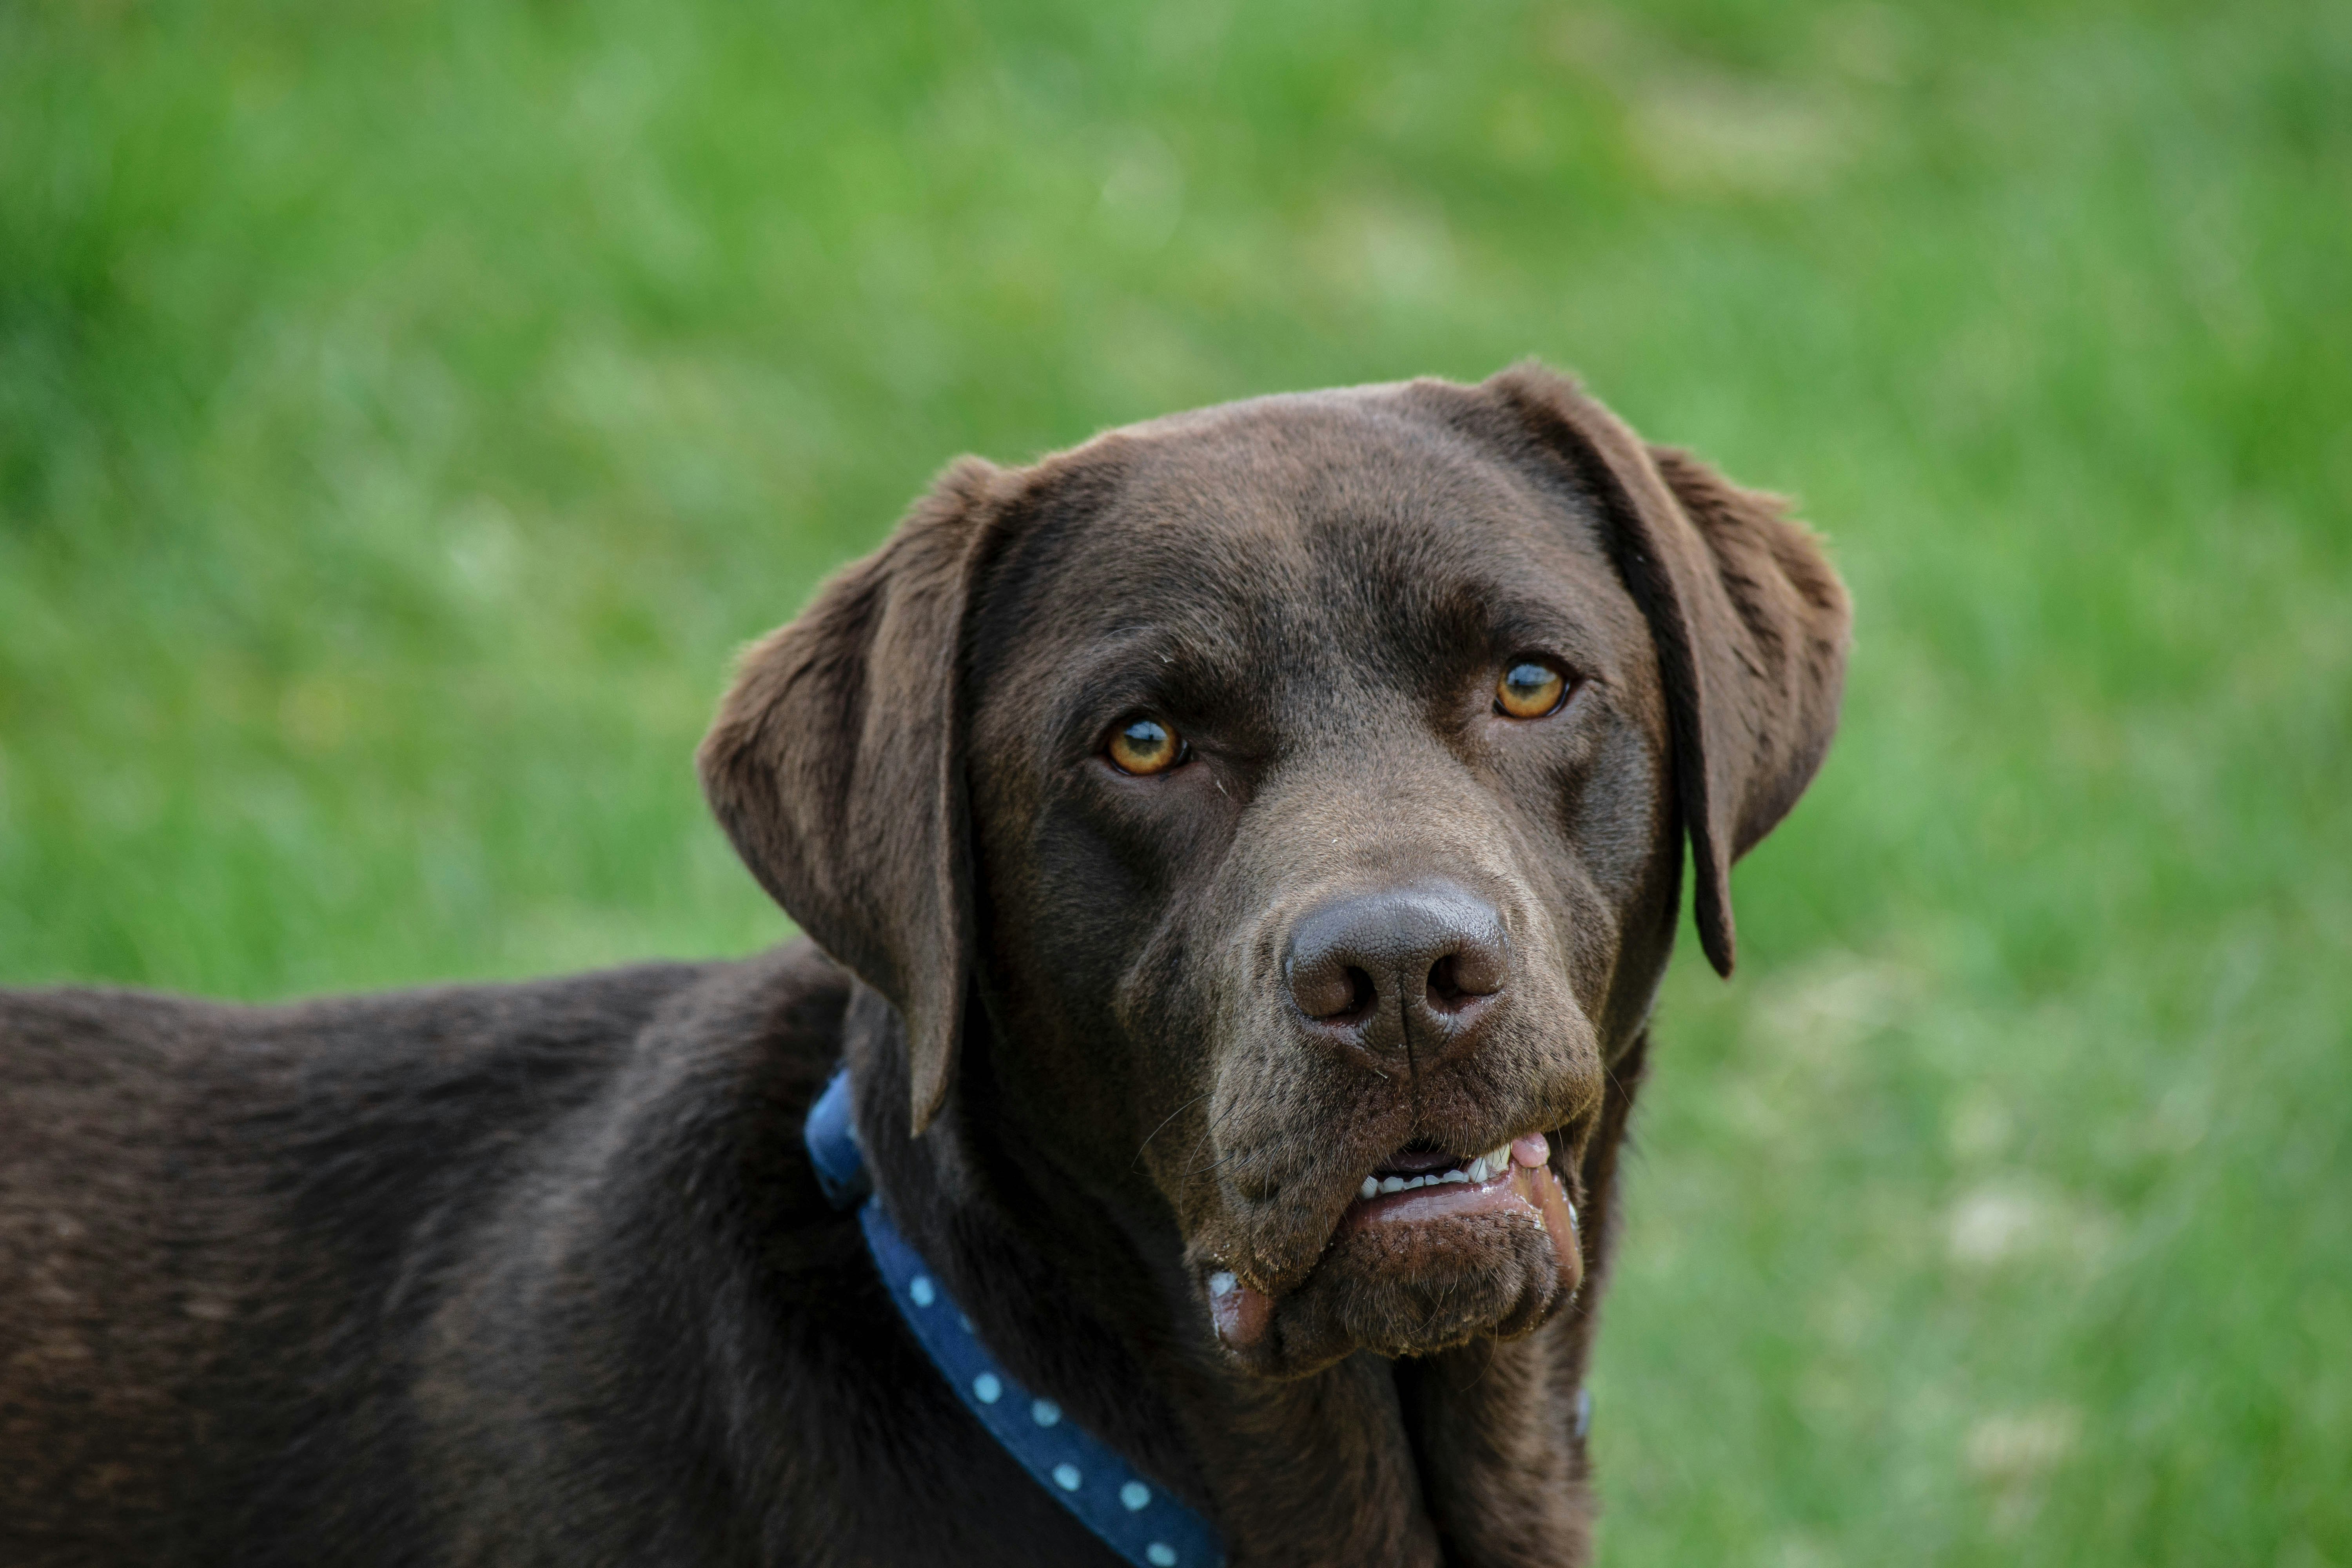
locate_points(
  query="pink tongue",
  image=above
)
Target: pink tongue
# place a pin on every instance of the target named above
(1540, 1187)
(1552, 1203)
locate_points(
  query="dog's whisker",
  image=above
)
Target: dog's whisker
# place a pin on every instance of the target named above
(1163, 1127)
(1201, 1170)
(1485, 1367)
(1215, 1123)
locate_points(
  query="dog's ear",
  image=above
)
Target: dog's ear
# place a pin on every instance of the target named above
(836, 766)
(1749, 621)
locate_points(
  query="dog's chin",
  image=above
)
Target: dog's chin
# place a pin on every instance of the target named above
(1414, 1274)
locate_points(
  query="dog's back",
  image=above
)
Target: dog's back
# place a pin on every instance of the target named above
(224, 1231)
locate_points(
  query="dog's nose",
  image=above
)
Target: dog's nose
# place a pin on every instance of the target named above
(1414, 968)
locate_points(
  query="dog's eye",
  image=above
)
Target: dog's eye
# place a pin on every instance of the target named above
(1530, 689)
(1141, 745)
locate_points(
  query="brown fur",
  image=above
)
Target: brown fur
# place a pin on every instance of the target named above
(539, 1275)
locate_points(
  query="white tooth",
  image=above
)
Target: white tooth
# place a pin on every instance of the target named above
(1371, 1188)
(1392, 1184)
(1499, 1160)
(1454, 1176)
(1478, 1169)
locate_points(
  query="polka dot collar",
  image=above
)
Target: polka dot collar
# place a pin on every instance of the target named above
(1134, 1517)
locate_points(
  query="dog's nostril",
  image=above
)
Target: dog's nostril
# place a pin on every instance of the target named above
(1459, 979)
(1334, 992)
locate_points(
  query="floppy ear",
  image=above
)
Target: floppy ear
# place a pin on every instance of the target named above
(836, 766)
(1749, 621)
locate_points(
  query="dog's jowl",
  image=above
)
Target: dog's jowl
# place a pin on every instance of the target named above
(1237, 858)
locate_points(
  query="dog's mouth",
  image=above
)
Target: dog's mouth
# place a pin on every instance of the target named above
(1420, 1184)
(1422, 1167)
(1427, 1223)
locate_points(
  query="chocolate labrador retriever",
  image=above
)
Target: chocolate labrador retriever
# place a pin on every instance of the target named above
(1239, 856)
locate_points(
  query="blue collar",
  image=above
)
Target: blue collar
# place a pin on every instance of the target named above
(1135, 1518)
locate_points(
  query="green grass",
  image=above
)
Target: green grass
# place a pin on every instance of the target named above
(406, 407)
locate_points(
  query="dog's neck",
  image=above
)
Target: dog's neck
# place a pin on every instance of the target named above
(1467, 1456)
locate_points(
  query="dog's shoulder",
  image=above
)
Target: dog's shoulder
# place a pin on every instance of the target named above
(256, 1248)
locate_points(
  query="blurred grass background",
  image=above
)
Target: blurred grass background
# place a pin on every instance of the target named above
(406, 407)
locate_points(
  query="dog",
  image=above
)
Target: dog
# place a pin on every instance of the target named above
(1237, 858)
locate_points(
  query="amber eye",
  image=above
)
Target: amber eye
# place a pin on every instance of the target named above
(1530, 687)
(1141, 745)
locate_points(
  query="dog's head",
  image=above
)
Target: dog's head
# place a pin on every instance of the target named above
(1295, 790)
